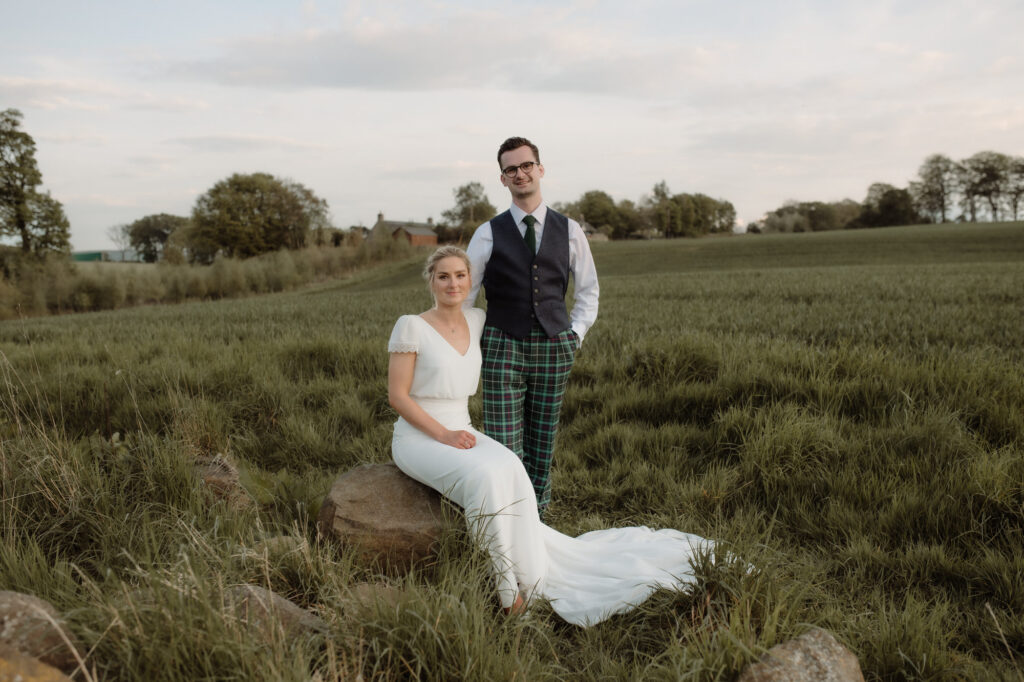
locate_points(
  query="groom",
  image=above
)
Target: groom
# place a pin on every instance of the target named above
(523, 259)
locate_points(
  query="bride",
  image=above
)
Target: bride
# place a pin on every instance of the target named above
(434, 367)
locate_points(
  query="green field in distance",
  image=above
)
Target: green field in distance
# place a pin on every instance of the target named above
(844, 410)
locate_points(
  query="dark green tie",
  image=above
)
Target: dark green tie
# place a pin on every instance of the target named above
(531, 234)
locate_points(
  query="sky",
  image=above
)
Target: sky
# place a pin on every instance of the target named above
(140, 107)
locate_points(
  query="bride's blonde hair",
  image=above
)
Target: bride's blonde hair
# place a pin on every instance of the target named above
(439, 255)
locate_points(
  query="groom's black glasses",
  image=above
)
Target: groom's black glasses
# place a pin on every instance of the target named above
(525, 166)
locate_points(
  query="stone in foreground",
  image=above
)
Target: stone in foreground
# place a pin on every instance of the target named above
(262, 609)
(383, 515)
(18, 667)
(33, 627)
(814, 656)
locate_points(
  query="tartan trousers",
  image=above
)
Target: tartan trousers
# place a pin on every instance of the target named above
(524, 381)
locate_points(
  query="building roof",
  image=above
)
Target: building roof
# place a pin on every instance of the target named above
(392, 226)
(413, 228)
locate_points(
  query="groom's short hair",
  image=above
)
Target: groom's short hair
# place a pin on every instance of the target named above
(515, 143)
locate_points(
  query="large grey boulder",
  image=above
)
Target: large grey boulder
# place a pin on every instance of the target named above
(265, 610)
(256, 607)
(384, 516)
(33, 627)
(814, 656)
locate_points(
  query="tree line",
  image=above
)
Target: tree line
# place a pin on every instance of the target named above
(247, 215)
(241, 216)
(986, 186)
(659, 214)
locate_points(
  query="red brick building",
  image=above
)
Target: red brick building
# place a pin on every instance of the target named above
(417, 234)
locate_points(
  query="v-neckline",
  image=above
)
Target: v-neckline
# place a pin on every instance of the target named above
(446, 342)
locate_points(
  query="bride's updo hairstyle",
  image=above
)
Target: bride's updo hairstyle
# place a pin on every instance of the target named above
(439, 255)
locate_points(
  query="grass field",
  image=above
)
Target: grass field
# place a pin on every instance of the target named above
(845, 410)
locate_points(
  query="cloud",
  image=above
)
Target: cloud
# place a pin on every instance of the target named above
(104, 200)
(233, 144)
(458, 53)
(73, 138)
(88, 95)
(434, 172)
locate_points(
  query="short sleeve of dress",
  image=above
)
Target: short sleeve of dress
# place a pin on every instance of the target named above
(404, 337)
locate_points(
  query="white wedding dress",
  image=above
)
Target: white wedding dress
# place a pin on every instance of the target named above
(586, 579)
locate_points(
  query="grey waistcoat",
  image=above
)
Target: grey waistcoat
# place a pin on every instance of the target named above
(522, 287)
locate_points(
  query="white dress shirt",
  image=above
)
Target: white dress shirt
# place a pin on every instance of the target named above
(581, 264)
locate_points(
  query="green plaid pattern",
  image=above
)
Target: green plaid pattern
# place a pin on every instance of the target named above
(524, 381)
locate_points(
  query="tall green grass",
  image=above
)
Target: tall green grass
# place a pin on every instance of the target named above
(847, 416)
(56, 285)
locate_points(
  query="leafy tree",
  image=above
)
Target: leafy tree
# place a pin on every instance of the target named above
(710, 215)
(847, 211)
(246, 215)
(316, 210)
(687, 215)
(120, 237)
(968, 198)
(47, 228)
(1015, 185)
(787, 218)
(471, 208)
(897, 208)
(664, 214)
(885, 206)
(631, 219)
(934, 192)
(599, 209)
(985, 178)
(724, 219)
(149, 235)
(811, 216)
(37, 219)
(876, 191)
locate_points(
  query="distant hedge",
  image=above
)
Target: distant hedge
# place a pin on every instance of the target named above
(55, 285)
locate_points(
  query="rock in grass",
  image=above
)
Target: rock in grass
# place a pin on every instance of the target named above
(383, 515)
(220, 476)
(15, 665)
(814, 656)
(33, 627)
(280, 545)
(260, 608)
(365, 595)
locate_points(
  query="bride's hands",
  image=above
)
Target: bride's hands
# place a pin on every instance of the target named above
(459, 439)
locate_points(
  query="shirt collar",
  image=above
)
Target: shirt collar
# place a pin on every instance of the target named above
(540, 213)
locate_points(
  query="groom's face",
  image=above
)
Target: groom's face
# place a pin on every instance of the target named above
(521, 184)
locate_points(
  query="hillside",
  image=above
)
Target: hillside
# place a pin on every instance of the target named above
(844, 411)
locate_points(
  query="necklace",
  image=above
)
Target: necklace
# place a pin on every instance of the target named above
(451, 329)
